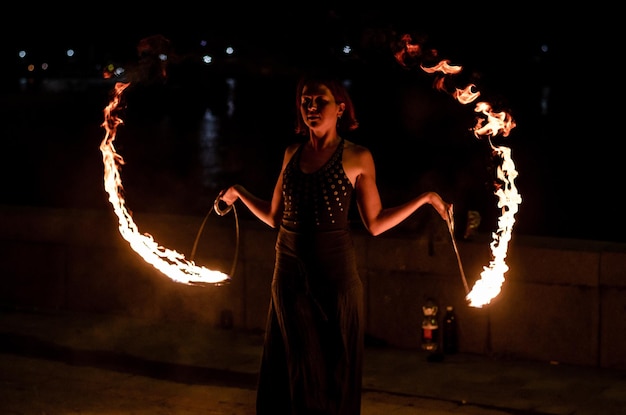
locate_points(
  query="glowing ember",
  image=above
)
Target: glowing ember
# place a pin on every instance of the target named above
(169, 262)
(490, 125)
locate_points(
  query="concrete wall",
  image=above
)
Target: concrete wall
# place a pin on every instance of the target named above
(562, 300)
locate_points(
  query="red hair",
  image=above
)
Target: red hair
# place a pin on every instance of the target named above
(347, 122)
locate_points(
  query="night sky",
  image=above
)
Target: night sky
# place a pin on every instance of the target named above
(566, 155)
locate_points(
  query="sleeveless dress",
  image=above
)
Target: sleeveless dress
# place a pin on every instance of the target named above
(313, 348)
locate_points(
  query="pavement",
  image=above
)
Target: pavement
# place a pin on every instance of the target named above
(54, 362)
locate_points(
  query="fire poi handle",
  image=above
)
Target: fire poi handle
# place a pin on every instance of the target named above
(220, 212)
(218, 209)
(450, 222)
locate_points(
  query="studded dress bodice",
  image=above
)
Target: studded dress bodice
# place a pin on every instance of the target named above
(317, 201)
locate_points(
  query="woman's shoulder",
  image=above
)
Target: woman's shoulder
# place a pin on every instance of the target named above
(355, 149)
(292, 148)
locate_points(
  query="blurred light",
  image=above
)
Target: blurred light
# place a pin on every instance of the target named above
(162, 56)
(70, 52)
(30, 67)
(230, 50)
(545, 99)
(21, 53)
(544, 48)
(207, 59)
(232, 83)
(44, 66)
(203, 43)
(347, 49)
(111, 70)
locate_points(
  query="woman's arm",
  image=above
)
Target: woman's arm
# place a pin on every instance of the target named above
(269, 212)
(376, 218)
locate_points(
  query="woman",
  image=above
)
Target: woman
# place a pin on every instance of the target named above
(314, 339)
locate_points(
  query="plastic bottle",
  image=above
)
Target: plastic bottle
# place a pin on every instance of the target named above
(430, 326)
(450, 338)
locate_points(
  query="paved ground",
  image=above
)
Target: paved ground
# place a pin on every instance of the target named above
(59, 363)
(35, 386)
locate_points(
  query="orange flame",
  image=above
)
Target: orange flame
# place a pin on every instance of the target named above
(466, 95)
(492, 277)
(496, 122)
(492, 124)
(444, 67)
(169, 262)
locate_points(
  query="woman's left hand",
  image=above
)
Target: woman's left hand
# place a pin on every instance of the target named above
(444, 209)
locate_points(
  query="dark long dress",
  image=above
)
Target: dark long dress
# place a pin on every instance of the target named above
(313, 351)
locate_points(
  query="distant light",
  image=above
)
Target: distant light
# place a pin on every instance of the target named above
(207, 59)
(30, 68)
(232, 83)
(70, 52)
(203, 43)
(544, 48)
(44, 66)
(230, 50)
(21, 53)
(162, 56)
(347, 49)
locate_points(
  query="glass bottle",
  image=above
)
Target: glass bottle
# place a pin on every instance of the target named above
(450, 338)
(430, 326)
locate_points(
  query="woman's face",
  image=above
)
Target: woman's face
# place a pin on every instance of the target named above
(318, 107)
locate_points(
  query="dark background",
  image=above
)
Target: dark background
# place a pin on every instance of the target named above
(567, 150)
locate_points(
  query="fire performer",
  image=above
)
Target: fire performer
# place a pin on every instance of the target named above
(314, 339)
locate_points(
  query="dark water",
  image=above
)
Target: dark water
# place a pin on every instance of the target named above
(184, 142)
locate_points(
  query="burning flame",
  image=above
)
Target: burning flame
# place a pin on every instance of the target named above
(490, 124)
(492, 277)
(169, 262)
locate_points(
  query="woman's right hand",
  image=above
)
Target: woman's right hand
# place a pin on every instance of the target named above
(229, 195)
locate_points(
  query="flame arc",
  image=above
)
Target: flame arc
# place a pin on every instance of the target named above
(489, 124)
(170, 262)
